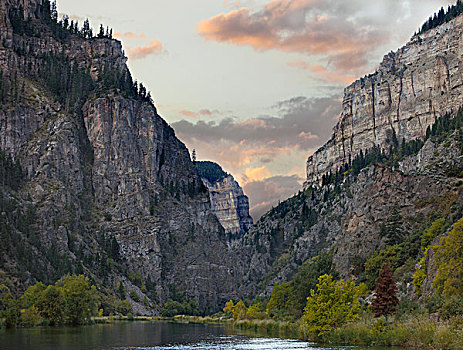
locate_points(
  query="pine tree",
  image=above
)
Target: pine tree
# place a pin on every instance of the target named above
(386, 301)
(101, 33)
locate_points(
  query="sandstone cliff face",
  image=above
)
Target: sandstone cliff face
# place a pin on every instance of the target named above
(230, 205)
(106, 166)
(410, 89)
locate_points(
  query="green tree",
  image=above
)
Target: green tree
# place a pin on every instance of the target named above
(449, 259)
(12, 313)
(432, 232)
(255, 312)
(332, 305)
(32, 295)
(9, 308)
(81, 299)
(30, 317)
(124, 307)
(52, 305)
(280, 299)
(239, 311)
(306, 279)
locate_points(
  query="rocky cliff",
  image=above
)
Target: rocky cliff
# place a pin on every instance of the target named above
(385, 197)
(229, 203)
(383, 205)
(411, 87)
(107, 189)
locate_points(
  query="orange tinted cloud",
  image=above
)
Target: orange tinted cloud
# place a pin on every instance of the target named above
(188, 113)
(129, 36)
(332, 77)
(297, 26)
(308, 136)
(202, 112)
(141, 52)
(256, 174)
(299, 64)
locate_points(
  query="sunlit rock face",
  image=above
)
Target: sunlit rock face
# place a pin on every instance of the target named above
(411, 88)
(229, 203)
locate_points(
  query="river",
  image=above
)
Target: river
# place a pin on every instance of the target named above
(146, 336)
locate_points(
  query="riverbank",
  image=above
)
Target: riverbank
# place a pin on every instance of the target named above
(416, 333)
(177, 319)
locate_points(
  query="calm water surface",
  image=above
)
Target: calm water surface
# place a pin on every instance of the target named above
(145, 336)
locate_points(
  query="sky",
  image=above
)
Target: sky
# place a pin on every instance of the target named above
(254, 85)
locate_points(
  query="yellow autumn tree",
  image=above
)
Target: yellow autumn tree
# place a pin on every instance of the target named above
(449, 259)
(333, 304)
(229, 307)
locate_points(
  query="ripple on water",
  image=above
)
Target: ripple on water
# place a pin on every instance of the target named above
(236, 343)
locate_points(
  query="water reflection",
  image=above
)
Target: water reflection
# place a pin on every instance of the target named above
(234, 342)
(145, 336)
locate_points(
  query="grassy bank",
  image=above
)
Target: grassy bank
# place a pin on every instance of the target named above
(418, 333)
(177, 318)
(269, 327)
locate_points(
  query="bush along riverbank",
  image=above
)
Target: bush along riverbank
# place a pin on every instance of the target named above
(318, 306)
(71, 301)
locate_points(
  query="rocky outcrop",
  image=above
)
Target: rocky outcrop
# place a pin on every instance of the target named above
(230, 205)
(410, 89)
(348, 221)
(100, 164)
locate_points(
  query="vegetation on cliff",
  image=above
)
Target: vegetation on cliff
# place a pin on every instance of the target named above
(442, 17)
(211, 171)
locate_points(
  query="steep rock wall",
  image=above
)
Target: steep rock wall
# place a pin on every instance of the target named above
(107, 167)
(409, 90)
(230, 205)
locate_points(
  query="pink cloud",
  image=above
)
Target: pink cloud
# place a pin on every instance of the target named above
(141, 52)
(188, 113)
(299, 64)
(202, 112)
(129, 36)
(308, 136)
(297, 26)
(205, 112)
(332, 77)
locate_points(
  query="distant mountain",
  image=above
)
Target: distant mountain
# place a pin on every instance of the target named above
(229, 203)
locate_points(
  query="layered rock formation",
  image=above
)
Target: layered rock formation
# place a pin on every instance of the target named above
(99, 164)
(409, 90)
(350, 221)
(229, 203)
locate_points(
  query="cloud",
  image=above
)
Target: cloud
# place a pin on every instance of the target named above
(300, 64)
(332, 77)
(308, 136)
(256, 174)
(130, 36)
(141, 52)
(258, 149)
(313, 27)
(314, 117)
(322, 73)
(232, 3)
(268, 192)
(200, 113)
(187, 113)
